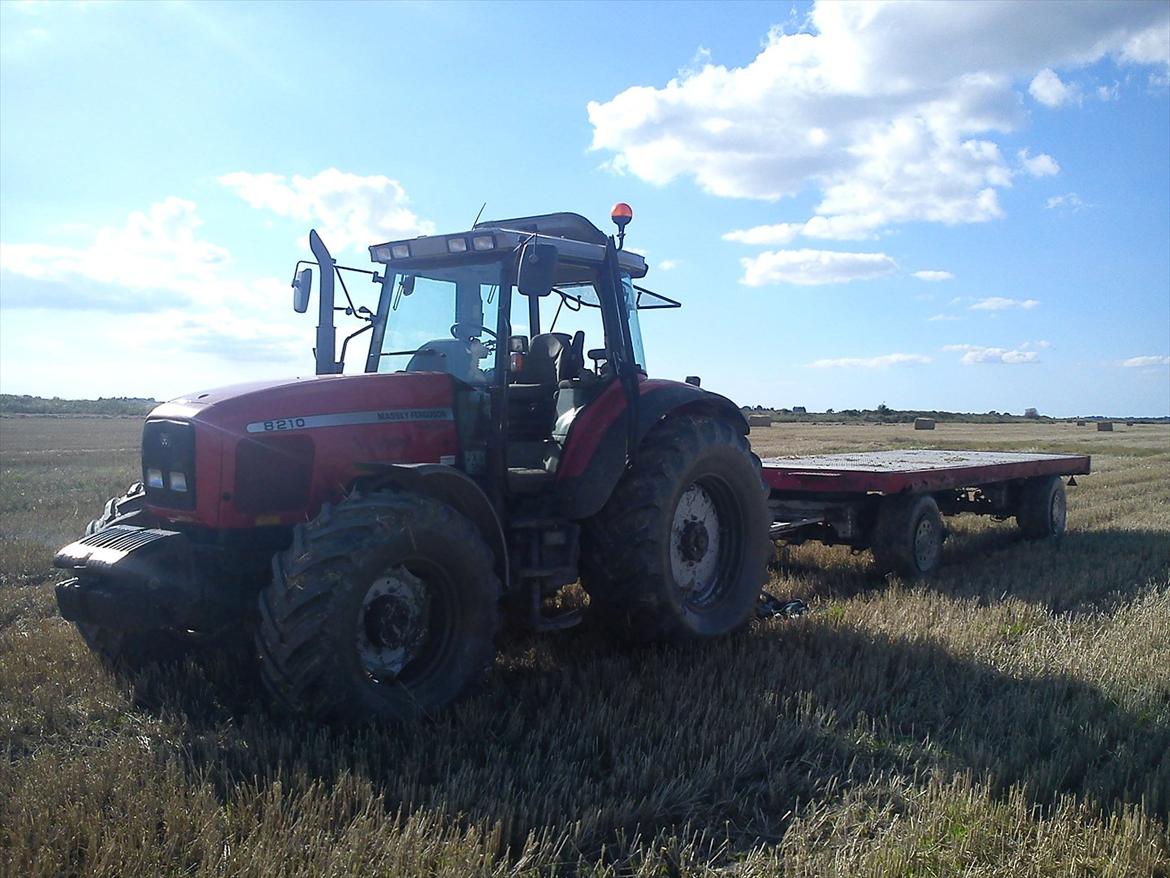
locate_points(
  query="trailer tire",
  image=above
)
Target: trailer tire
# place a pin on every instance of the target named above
(908, 536)
(1042, 508)
(385, 607)
(679, 551)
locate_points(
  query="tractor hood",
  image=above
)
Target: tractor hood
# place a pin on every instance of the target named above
(270, 452)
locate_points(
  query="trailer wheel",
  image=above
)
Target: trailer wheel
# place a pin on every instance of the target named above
(680, 549)
(385, 607)
(908, 536)
(1042, 509)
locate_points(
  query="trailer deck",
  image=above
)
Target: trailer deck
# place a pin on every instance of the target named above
(892, 502)
(912, 470)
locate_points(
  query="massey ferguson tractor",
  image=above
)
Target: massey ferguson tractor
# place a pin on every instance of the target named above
(371, 531)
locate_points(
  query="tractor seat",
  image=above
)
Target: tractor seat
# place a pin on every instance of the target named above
(552, 358)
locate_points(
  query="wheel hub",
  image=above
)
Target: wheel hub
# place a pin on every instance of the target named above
(926, 543)
(392, 623)
(694, 543)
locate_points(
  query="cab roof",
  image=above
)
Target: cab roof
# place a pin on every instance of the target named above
(572, 226)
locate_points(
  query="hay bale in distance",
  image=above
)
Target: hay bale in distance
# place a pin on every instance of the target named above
(1129, 423)
(924, 423)
(759, 421)
(1080, 423)
(1104, 426)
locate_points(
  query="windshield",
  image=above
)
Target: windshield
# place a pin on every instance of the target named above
(443, 320)
(630, 295)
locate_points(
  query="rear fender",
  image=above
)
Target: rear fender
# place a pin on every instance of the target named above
(447, 485)
(595, 451)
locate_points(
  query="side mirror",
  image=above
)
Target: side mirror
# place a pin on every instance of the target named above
(538, 269)
(301, 285)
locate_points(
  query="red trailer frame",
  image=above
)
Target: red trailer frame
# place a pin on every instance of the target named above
(915, 470)
(892, 501)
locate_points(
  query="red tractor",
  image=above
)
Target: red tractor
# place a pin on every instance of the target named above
(372, 530)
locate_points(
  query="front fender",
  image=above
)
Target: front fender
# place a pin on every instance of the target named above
(450, 486)
(595, 455)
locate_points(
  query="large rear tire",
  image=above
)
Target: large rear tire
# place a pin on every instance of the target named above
(385, 607)
(680, 550)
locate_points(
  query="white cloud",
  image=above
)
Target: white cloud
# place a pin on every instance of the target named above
(1048, 89)
(1109, 92)
(975, 354)
(170, 289)
(937, 318)
(669, 264)
(933, 276)
(813, 267)
(853, 107)
(781, 233)
(1068, 201)
(1000, 303)
(154, 260)
(1139, 362)
(882, 362)
(1042, 165)
(351, 211)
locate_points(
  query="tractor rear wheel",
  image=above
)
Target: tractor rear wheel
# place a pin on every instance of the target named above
(680, 550)
(1042, 510)
(130, 650)
(385, 607)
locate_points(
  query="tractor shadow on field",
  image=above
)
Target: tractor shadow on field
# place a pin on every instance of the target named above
(581, 737)
(1082, 571)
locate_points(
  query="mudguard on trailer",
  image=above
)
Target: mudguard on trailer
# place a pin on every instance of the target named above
(595, 453)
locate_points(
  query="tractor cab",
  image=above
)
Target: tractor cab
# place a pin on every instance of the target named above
(533, 317)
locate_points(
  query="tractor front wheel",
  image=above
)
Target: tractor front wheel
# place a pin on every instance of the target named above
(680, 550)
(385, 607)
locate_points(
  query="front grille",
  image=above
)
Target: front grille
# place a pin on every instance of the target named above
(169, 447)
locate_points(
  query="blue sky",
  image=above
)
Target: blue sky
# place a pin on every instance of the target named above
(959, 205)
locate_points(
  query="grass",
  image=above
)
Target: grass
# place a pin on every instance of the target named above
(1009, 718)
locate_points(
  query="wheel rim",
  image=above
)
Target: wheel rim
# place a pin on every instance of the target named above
(1057, 512)
(393, 624)
(703, 542)
(926, 543)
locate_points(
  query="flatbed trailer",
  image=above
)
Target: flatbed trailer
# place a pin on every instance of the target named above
(892, 502)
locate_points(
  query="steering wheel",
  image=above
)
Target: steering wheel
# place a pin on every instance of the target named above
(456, 327)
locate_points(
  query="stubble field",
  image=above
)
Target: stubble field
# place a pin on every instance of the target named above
(1009, 718)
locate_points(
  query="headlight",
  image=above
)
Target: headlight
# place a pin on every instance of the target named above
(178, 481)
(483, 242)
(154, 478)
(456, 245)
(400, 251)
